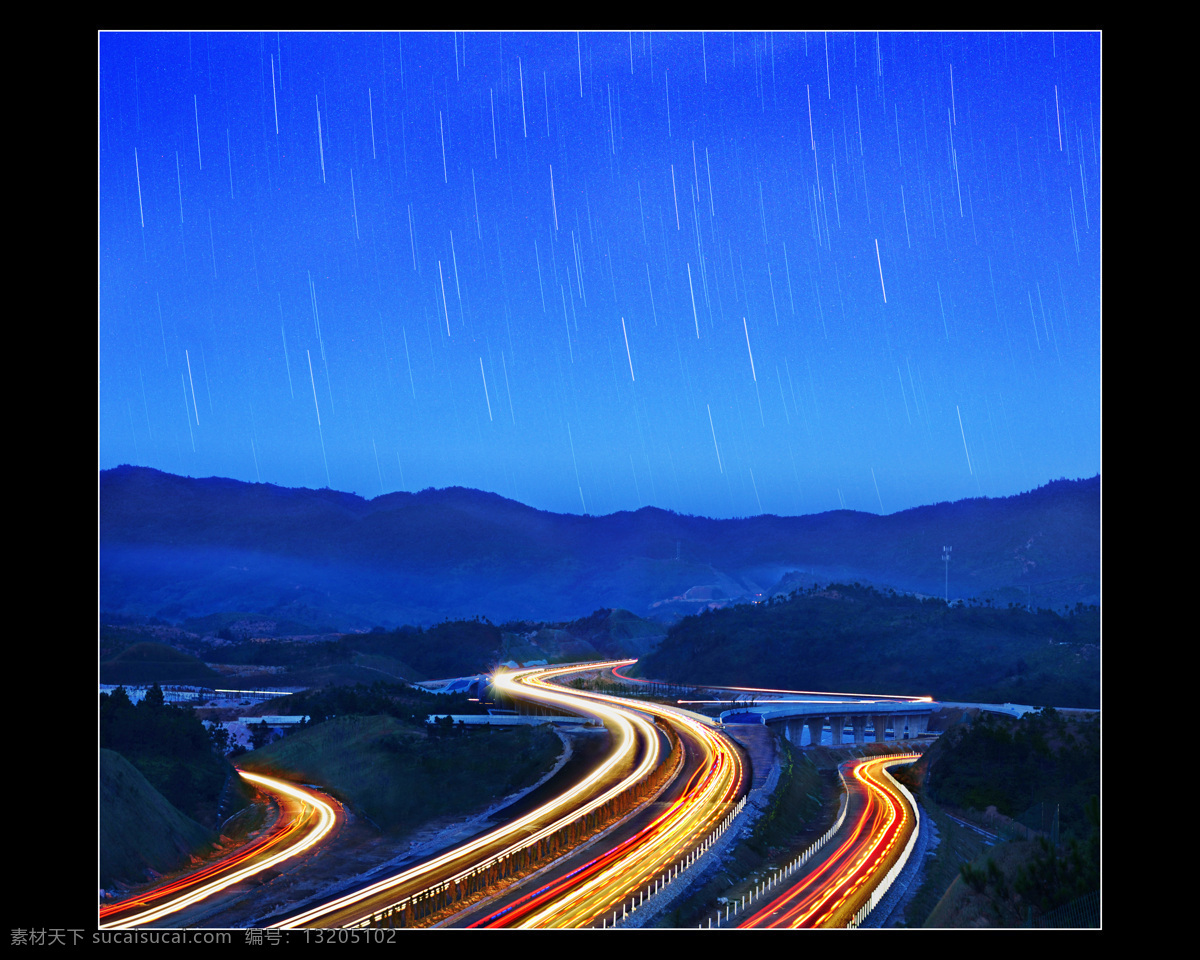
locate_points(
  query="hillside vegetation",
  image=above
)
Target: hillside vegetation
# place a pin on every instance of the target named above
(140, 832)
(164, 790)
(1034, 781)
(171, 748)
(854, 638)
(399, 776)
(145, 662)
(1044, 760)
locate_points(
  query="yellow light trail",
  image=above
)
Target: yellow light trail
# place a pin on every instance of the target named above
(858, 863)
(456, 865)
(657, 847)
(321, 821)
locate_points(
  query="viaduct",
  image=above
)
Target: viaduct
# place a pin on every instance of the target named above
(907, 719)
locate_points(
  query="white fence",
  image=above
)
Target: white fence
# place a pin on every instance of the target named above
(734, 907)
(656, 894)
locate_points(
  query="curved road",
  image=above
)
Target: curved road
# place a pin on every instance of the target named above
(583, 891)
(634, 756)
(878, 822)
(307, 817)
(589, 894)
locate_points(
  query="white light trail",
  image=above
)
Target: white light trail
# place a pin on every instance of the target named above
(695, 318)
(138, 172)
(553, 202)
(521, 77)
(320, 432)
(442, 133)
(485, 389)
(749, 351)
(193, 386)
(446, 309)
(964, 439)
(575, 463)
(625, 333)
(880, 262)
(320, 138)
(714, 436)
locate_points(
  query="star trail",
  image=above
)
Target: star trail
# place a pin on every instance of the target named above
(717, 273)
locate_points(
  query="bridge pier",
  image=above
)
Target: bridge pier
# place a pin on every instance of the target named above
(908, 721)
(880, 722)
(918, 723)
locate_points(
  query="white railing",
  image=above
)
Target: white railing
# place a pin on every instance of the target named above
(660, 892)
(733, 908)
(885, 884)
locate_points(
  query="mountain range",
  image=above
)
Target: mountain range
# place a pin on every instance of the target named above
(174, 547)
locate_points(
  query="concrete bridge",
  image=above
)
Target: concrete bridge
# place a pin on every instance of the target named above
(907, 719)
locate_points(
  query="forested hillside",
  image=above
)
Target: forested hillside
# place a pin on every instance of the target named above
(854, 638)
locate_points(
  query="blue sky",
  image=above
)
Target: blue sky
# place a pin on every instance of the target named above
(722, 274)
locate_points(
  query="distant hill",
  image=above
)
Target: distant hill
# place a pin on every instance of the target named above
(176, 547)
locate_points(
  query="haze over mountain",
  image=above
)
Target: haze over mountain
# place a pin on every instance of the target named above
(175, 547)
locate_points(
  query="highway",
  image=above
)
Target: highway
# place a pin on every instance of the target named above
(589, 870)
(640, 762)
(469, 870)
(306, 818)
(595, 892)
(878, 822)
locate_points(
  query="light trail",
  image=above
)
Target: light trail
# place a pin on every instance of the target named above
(306, 829)
(811, 693)
(828, 895)
(590, 892)
(465, 861)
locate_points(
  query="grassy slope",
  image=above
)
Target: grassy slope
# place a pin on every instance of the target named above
(398, 777)
(139, 829)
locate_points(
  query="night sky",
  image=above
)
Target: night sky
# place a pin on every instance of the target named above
(722, 274)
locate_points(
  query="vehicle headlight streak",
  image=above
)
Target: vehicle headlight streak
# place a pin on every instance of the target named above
(607, 880)
(622, 720)
(325, 820)
(592, 890)
(883, 822)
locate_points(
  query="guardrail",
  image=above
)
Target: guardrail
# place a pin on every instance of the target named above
(654, 896)
(733, 908)
(885, 884)
(410, 910)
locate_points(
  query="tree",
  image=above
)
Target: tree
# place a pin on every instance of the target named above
(260, 734)
(219, 736)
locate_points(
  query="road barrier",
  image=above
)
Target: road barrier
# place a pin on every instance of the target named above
(658, 894)
(412, 910)
(885, 884)
(734, 907)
